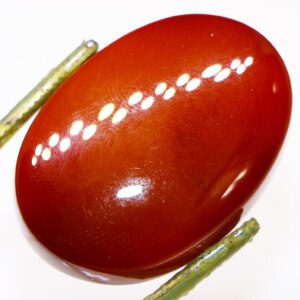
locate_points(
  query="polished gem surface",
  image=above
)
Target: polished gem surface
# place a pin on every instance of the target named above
(149, 152)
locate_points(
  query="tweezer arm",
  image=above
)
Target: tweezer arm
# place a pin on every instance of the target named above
(185, 280)
(45, 88)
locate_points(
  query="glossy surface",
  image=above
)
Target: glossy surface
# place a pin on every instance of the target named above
(149, 152)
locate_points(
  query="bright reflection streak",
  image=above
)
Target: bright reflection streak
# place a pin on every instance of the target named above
(54, 139)
(89, 131)
(135, 98)
(169, 93)
(211, 71)
(94, 276)
(106, 111)
(34, 161)
(119, 115)
(235, 63)
(275, 87)
(183, 79)
(222, 75)
(233, 184)
(241, 69)
(38, 150)
(134, 189)
(130, 191)
(160, 88)
(193, 84)
(64, 144)
(76, 127)
(147, 103)
(46, 154)
(248, 61)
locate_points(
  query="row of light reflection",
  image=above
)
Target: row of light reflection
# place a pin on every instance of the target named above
(216, 71)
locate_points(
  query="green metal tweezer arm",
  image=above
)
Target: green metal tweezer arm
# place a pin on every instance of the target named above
(195, 271)
(185, 280)
(40, 94)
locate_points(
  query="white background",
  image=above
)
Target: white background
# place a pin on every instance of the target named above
(35, 35)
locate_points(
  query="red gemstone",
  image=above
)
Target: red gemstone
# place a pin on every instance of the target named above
(148, 153)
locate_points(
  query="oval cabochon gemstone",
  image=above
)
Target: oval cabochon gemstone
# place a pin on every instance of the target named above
(149, 152)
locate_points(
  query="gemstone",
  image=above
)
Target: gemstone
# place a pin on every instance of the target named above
(148, 154)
